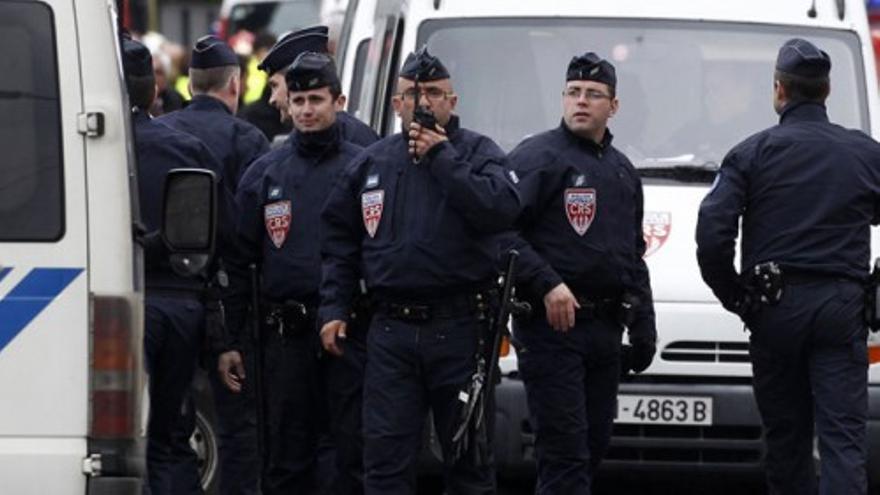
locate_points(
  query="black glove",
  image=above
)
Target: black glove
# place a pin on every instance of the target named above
(641, 353)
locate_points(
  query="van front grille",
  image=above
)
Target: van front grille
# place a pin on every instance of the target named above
(706, 352)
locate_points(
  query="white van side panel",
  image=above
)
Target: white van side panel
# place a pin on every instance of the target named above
(44, 301)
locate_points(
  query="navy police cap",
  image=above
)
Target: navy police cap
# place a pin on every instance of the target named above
(311, 70)
(136, 58)
(210, 52)
(799, 57)
(590, 67)
(291, 45)
(424, 66)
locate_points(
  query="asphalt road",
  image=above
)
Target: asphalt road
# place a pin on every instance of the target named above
(620, 485)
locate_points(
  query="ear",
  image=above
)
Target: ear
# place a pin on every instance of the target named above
(397, 104)
(339, 104)
(453, 101)
(235, 85)
(615, 106)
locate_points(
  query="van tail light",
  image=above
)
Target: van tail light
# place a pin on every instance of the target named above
(873, 352)
(115, 374)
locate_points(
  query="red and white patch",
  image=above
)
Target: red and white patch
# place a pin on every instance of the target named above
(580, 208)
(277, 217)
(372, 203)
(655, 228)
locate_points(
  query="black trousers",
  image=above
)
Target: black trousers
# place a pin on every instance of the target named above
(172, 340)
(413, 367)
(810, 366)
(571, 383)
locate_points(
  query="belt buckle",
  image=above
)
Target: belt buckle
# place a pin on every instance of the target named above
(411, 312)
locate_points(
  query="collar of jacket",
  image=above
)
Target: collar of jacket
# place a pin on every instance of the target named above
(452, 126)
(589, 144)
(140, 116)
(317, 143)
(803, 111)
(207, 103)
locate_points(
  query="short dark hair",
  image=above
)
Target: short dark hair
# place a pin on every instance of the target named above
(335, 90)
(213, 79)
(800, 88)
(141, 90)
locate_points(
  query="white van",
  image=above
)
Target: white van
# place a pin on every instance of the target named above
(694, 78)
(71, 272)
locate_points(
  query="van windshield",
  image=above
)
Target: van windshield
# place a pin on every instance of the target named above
(688, 91)
(274, 17)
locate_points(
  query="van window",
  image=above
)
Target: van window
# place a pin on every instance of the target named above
(688, 91)
(274, 17)
(31, 200)
(357, 76)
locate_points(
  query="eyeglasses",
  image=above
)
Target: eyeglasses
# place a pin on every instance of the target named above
(591, 94)
(432, 94)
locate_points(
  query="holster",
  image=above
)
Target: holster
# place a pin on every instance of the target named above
(289, 318)
(872, 298)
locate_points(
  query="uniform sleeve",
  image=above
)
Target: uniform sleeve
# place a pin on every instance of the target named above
(247, 250)
(256, 145)
(643, 327)
(717, 229)
(535, 186)
(342, 233)
(483, 191)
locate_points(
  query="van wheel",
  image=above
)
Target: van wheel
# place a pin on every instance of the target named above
(204, 438)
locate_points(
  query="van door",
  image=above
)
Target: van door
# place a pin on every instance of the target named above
(43, 252)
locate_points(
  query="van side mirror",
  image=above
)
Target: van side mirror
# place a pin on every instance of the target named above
(189, 218)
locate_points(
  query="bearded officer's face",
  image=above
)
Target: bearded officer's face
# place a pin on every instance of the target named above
(587, 106)
(436, 96)
(314, 110)
(278, 95)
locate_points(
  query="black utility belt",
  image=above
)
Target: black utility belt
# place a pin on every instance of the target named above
(475, 304)
(596, 308)
(289, 316)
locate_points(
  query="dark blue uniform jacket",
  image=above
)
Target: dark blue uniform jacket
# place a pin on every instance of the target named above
(280, 199)
(235, 142)
(581, 221)
(420, 230)
(354, 131)
(160, 149)
(807, 191)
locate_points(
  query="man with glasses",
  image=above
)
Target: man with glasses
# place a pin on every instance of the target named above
(416, 212)
(581, 245)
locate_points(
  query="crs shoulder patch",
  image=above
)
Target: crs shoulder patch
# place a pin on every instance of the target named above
(372, 203)
(580, 208)
(277, 218)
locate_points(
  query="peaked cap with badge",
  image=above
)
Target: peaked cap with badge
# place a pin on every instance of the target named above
(424, 66)
(311, 70)
(799, 57)
(591, 67)
(210, 52)
(292, 45)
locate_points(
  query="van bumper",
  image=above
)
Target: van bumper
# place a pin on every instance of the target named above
(733, 445)
(115, 486)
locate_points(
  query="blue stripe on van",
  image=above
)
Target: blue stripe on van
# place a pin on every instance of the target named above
(4, 272)
(30, 297)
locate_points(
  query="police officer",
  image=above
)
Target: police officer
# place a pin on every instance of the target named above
(415, 211)
(280, 199)
(215, 82)
(215, 85)
(279, 58)
(806, 192)
(581, 263)
(175, 315)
